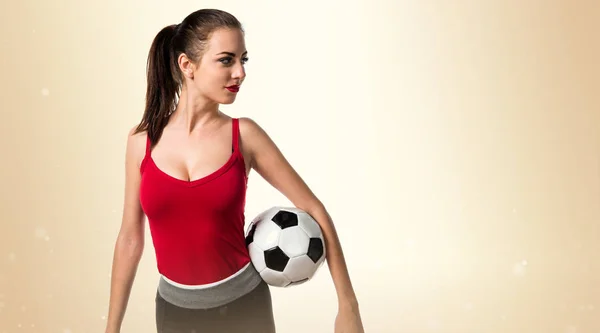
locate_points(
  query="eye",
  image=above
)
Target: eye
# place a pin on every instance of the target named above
(228, 60)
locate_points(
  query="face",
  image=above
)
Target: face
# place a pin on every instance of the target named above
(220, 71)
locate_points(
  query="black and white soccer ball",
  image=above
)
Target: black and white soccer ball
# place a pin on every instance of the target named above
(286, 246)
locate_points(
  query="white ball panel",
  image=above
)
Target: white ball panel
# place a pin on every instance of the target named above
(266, 235)
(257, 255)
(299, 268)
(274, 278)
(263, 216)
(293, 241)
(309, 225)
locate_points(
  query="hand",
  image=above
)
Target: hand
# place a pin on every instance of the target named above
(348, 320)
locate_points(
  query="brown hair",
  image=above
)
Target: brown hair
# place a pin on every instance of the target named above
(164, 80)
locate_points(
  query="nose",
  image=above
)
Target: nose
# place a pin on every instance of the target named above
(239, 72)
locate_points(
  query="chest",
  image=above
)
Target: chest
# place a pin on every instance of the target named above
(220, 192)
(194, 159)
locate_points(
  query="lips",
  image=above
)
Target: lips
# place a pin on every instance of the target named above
(234, 88)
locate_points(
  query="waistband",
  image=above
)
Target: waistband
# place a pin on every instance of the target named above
(212, 295)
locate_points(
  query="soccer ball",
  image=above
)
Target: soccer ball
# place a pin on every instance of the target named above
(286, 246)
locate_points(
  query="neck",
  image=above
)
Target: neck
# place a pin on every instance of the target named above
(193, 111)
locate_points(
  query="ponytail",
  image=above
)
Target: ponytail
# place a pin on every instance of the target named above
(163, 84)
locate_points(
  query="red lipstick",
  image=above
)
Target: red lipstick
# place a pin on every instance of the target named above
(234, 88)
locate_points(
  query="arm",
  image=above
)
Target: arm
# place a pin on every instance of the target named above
(129, 244)
(269, 162)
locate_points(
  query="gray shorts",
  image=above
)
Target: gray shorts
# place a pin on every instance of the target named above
(251, 313)
(242, 304)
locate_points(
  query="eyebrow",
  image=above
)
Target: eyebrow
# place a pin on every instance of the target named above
(231, 53)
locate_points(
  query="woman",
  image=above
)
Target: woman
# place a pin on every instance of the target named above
(187, 165)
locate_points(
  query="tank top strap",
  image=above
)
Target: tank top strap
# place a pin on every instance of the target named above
(235, 133)
(148, 146)
(146, 155)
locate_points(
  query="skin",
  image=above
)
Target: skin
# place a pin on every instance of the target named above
(197, 125)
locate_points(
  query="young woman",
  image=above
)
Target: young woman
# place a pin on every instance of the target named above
(187, 166)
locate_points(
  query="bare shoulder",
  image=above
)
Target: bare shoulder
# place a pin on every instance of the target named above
(249, 126)
(136, 146)
(253, 137)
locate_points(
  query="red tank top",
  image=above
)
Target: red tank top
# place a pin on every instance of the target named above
(197, 226)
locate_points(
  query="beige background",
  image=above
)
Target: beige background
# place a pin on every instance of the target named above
(456, 145)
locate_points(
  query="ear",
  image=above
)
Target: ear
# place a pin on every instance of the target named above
(186, 66)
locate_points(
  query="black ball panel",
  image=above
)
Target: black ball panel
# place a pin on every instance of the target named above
(285, 219)
(276, 259)
(250, 236)
(315, 249)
